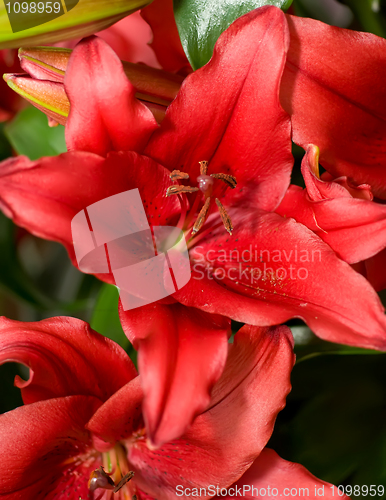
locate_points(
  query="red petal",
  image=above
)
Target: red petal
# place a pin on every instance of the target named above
(129, 38)
(335, 94)
(273, 269)
(166, 40)
(37, 440)
(43, 196)
(317, 189)
(363, 191)
(375, 270)
(104, 113)
(181, 354)
(223, 441)
(66, 358)
(121, 415)
(354, 228)
(269, 471)
(228, 113)
(327, 187)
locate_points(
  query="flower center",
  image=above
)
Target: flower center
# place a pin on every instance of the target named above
(114, 475)
(205, 185)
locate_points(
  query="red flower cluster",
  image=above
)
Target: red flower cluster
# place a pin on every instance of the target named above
(83, 410)
(289, 253)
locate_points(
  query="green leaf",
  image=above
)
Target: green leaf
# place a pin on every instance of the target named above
(201, 22)
(105, 319)
(30, 135)
(334, 418)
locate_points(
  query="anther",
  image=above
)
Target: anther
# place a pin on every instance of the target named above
(177, 174)
(126, 478)
(225, 217)
(230, 180)
(203, 167)
(201, 216)
(180, 189)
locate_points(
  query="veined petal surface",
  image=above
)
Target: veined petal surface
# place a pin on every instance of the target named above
(228, 113)
(181, 353)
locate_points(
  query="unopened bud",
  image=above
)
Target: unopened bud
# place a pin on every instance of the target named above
(49, 97)
(44, 85)
(50, 63)
(80, 18)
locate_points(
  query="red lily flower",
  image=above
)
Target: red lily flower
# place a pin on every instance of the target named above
(336, 98)
(332, 86)
(341, 214)
(239, 127)
(83, 410)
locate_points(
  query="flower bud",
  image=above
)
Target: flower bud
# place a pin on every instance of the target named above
(51, 98)
(50, 63)
(79, 18)
(47, 96)
(44, 85)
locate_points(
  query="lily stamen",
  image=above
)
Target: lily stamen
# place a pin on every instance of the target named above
(230, 180)
(180, 189)
(201, 217)
(177, 174)
(203, 167)
(224, 216)
(126, 478)
(205, 183)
